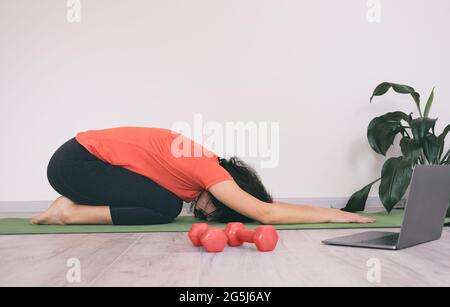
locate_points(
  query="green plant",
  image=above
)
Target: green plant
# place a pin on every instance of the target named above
(419, 145)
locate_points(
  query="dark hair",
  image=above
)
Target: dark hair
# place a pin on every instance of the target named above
(248, 180)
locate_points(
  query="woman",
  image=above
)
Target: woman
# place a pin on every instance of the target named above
(141, 176)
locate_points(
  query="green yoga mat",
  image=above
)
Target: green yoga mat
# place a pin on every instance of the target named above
(10, 226)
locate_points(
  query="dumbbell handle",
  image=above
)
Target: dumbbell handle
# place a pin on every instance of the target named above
(246, 235)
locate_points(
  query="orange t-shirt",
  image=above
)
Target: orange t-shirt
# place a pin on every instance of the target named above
(170, 159)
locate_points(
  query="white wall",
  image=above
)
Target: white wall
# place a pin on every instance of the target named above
(311, 65)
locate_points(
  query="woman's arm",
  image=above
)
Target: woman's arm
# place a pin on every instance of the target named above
(229, 193)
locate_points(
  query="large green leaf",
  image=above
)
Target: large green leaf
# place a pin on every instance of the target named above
(402, 89)
(443, 135)
(382, 89)
(441, 139)
(383, 129)
(421, 126)
(395, 179)
(410, 148)
(429, 103)
(357, 201)
(431, 147)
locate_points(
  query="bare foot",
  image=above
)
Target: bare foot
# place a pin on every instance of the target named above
(56, 214)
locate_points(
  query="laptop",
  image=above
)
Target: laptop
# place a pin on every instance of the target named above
(424, 216)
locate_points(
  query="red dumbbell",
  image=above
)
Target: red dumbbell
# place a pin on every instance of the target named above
(264, 237)
(212, 239)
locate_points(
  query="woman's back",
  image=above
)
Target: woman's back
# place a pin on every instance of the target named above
(168, 158)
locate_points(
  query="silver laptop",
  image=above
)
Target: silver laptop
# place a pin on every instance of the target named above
(424, 217)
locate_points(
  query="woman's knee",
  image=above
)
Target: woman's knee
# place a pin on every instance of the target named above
(53, 175)
(58, 167)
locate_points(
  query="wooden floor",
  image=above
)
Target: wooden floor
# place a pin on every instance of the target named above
(168, 259)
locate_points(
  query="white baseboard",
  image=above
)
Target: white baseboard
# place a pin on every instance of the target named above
(326, 202)
(23, 206)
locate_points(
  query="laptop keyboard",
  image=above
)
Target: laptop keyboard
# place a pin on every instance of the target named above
(390, 240)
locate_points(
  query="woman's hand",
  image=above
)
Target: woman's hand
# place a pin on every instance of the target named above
(339, 216)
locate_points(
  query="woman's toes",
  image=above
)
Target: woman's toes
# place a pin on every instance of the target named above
(35, 220)
(41, 219)
(59, 213)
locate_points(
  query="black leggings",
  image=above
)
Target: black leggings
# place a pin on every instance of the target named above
(133, 199)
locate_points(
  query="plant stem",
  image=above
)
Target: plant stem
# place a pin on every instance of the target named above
(421, 160)
(407, 131)
(446, 156)
(425, 160)
(420, 111)
(375, 181)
